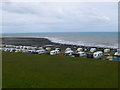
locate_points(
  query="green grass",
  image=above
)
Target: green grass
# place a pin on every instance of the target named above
(0, 69)
(22, 70)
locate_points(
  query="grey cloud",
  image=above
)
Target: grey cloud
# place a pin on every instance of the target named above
(52, 15)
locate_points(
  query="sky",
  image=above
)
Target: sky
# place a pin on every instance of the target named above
(32, 17)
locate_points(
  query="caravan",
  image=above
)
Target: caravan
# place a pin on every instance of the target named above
(98, 55)
(117, 53)
(68, 49)
(106, 50)
(42, 51)
(48, 48)
(12, 49)
(79, 49)
(93, 49)
(82, 54)
(68, 53)
(54, 52)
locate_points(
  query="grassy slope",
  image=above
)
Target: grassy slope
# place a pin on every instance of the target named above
(22, 70)
(0, 69)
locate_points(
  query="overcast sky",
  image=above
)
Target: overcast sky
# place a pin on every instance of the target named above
(59, 17)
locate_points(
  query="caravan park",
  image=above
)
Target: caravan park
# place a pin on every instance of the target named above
(55, 67)
(59, 44)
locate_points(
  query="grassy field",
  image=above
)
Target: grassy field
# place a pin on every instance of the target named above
(22, 70)
(0, 69)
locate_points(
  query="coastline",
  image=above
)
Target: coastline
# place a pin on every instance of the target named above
(42, 42)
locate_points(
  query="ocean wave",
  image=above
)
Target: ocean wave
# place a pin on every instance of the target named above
(80, 43)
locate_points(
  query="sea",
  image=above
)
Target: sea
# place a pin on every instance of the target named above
(95, 39)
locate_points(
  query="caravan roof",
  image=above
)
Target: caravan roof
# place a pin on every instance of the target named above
(70, 51)
(117, 54)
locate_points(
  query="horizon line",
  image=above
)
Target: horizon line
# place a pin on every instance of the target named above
(50, 32)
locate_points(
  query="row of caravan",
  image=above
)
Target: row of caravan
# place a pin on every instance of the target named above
(91, 50)
(48, 48)
(106, 54)
(97, 54)
(23, 50)
(68, 52)
(24, 47)
(80, 52)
